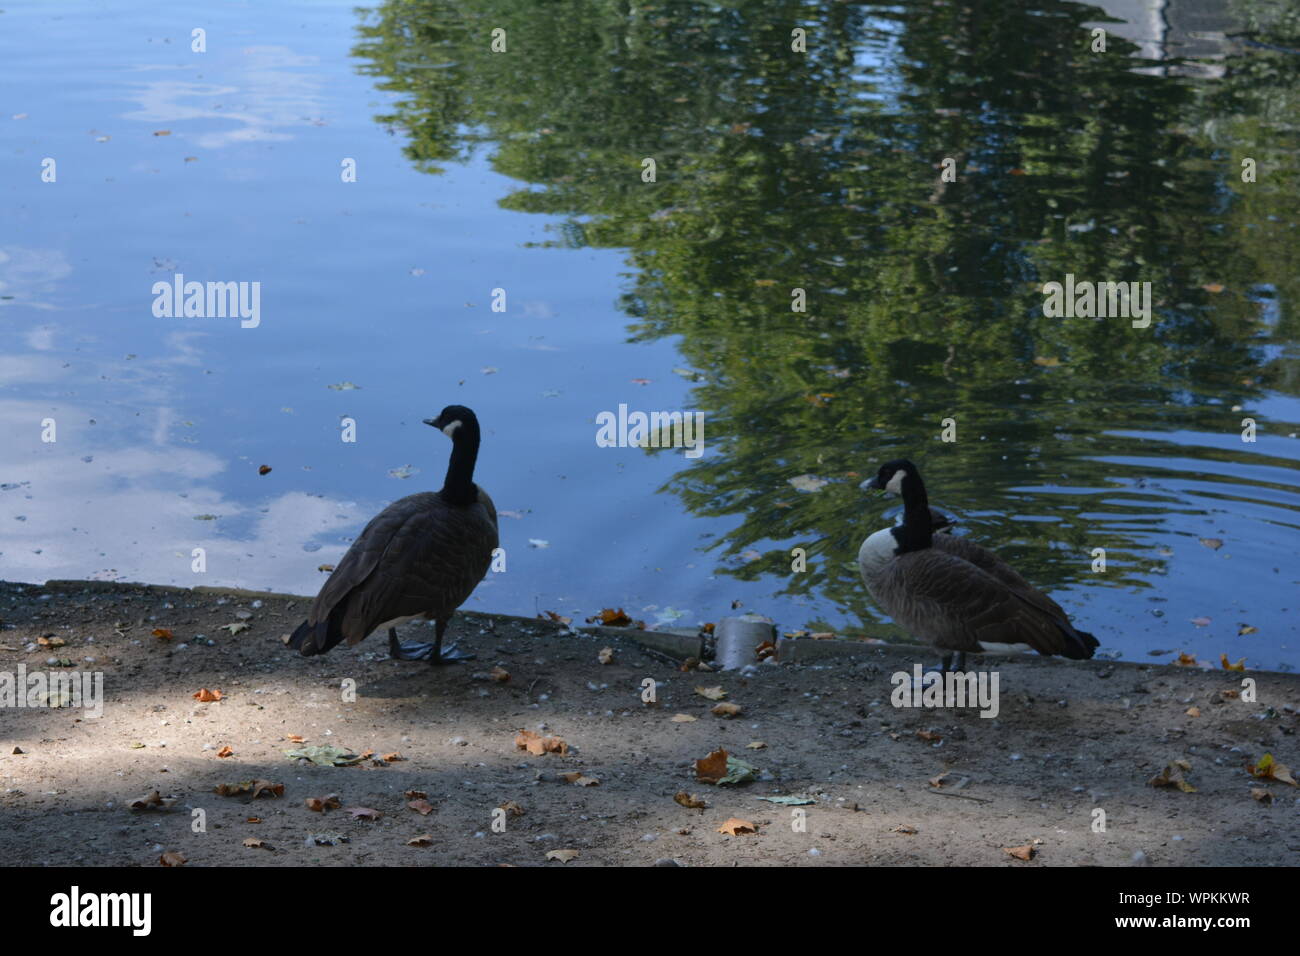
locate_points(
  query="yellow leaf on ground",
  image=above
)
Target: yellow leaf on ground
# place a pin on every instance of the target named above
(689, 800)
(711, 693)
(564, 856)
(736, 826)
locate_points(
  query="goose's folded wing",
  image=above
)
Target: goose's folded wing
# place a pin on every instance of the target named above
(990, 563)
(433, 561)
(960, 605)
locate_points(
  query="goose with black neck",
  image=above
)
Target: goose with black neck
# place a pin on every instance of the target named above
(418, 559)
(954, 594)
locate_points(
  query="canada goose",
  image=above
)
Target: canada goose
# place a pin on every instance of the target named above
(952, 593)
(419, 558)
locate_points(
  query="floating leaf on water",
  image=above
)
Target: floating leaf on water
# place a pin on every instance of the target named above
(808, 482)
(1214, 544)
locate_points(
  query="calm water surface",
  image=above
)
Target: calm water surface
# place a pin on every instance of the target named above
(776, 170)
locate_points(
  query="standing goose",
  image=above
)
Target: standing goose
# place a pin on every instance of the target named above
(419, 558)
(953, 594)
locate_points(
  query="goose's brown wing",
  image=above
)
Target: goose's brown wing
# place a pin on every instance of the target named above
(419, 555)
(955, 605)
(987, 561)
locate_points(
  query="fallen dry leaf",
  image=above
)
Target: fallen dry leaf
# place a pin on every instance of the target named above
(538, 745)
(727, 710)
(1172, 776)
(424, 839)
(606, 655)
(253, 843)
(225, 751)
(1245, 629)
(756, 745)
(512, 809)
(1214, 544)
(364, 813)
(712, 768)
(564, 856)
(1186, 660)
(580, 779)
(689, 800)
(1193, 712)
(1239, 666)
(711, 693)
(1270, 769)
(1025, 852)
(254, 788)
(499, 674)
(321, 804)
(205, 696)
(422, 807)
(903, 828)
(393, 757)
(929, 735)
(1262, 795)
(152, 801)
(163, 633)
(682, 718)
(557, 618)
(736, 826)
(415, 794)
(172, 858)
(940, 780)
(296, 739)
(611, 618)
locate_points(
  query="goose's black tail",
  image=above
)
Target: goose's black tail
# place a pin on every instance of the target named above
(1080, 645)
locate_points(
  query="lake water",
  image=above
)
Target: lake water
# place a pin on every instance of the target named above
(776, 170)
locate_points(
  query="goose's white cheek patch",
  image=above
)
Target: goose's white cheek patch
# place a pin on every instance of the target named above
(448, 429)
(895, 484)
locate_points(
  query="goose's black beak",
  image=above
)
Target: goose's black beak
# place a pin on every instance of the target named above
(872, 484)
(435, 422)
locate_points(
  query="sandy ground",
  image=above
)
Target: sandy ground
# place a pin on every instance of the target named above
(1070, 739)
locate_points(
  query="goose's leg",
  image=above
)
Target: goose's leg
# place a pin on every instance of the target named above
(961, 661)
(434, 653)
(449, 654)
(945, 665)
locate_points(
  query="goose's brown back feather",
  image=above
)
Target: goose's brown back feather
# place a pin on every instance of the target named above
(990, 563)
(953, 604)
(419, 556)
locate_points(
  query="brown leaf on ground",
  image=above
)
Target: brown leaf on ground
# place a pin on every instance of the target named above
(321, 804)
(728, 710)
(424, 839)
(929, 735)
(253, 843)
(537, 745)
(1262, 795)
(611, 618)
(296, 739)
(1239, 666)
(1230, 694)
(163, 633)
(393, 757)
(415, 794)
(499, 674)
(205, 696)
(225, 751)
(365, 813)
(252, 819)
(712, 768)
(422, 807)
(564, 856)
(557, 618)
(1185, 660)
(1172, 776)
(606, 655)
(253, 788)
(736, 826)
(152, 801)
(580, 779)
(512, 809)
(1193, 711)
(1270, 769)
(711, 693)
(1025, 852)
(172, 858)
(940, 780)
(904, 828)
(689, 800)
(683, 718)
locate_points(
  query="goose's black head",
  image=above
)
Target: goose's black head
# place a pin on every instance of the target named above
(455, 421)
(893, 476)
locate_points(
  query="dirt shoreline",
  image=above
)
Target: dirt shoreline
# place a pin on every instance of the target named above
(1069, 739)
